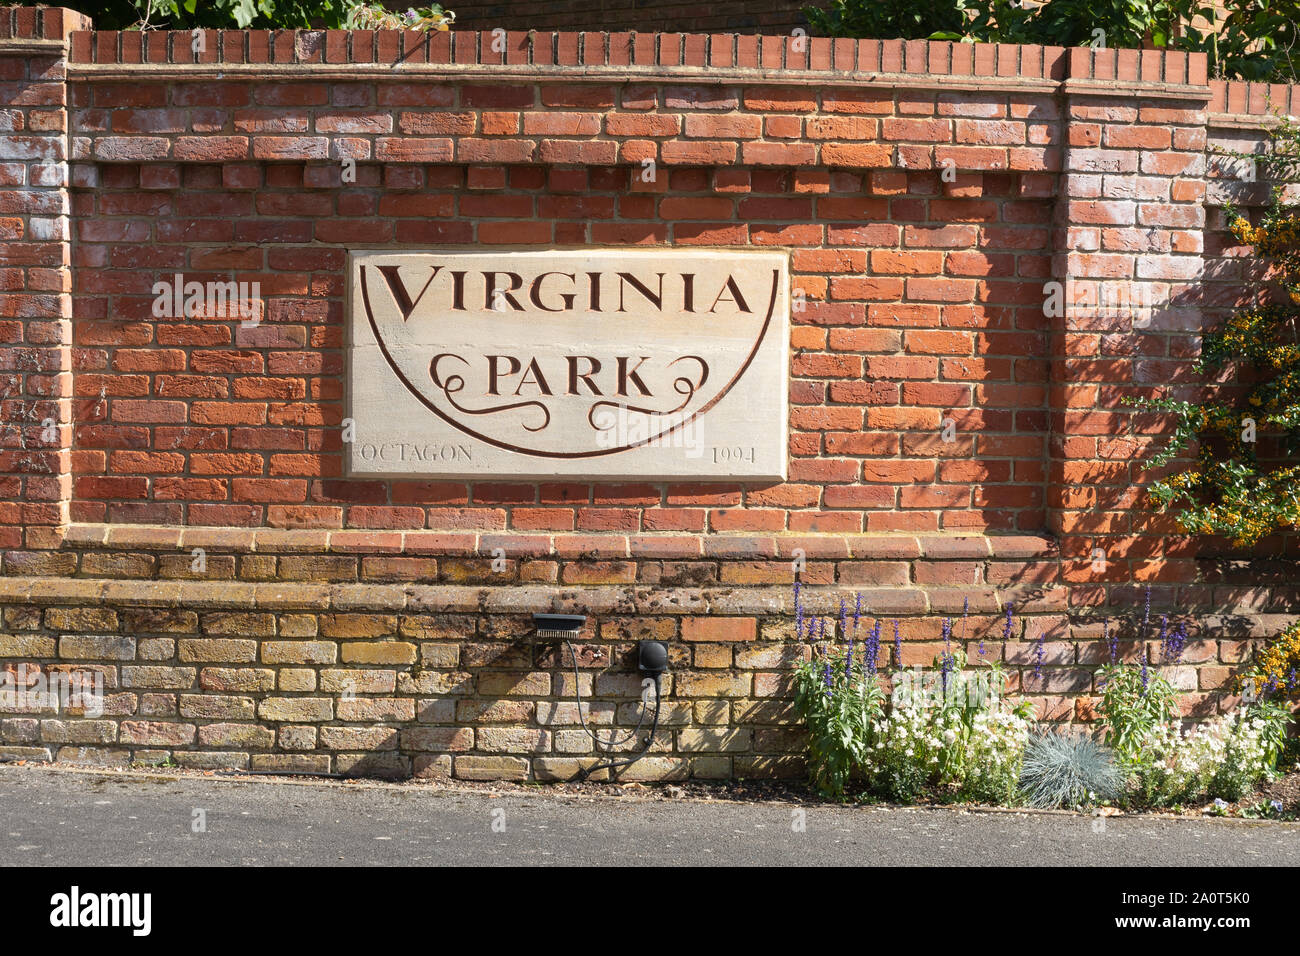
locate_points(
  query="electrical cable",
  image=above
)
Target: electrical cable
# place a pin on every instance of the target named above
(654, 728)
(607, 746)
(577, 690)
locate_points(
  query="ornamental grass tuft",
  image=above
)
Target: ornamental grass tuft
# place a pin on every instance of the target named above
(1068, 770)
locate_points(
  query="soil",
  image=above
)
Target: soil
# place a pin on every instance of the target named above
(1285, 789)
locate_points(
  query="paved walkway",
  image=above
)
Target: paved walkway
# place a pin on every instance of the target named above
(78, 818)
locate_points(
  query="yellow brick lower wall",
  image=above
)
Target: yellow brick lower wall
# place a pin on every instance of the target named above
(451, 681)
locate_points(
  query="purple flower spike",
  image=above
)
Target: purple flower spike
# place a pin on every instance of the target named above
(798, 614)
(946, 659)
(857, 612)
(1171, 651)
(844, 620)
(898, 646)
(872, 652)
(1112, 641)
(1146, 613)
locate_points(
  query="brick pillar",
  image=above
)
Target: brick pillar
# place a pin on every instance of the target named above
(35, 300)
(1129, 260)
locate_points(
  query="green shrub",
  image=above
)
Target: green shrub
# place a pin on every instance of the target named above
(1134, 702)
(1242, 39)
(946, 734)
(887, 19)
(840, 709)
(1224, 757)
(255, 14)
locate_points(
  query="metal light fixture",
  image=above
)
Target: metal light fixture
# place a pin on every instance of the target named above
(558, 627)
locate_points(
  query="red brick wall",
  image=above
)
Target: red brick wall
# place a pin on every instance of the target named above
(924, 291)
(204, 422)
(924, 295)
(926, 191)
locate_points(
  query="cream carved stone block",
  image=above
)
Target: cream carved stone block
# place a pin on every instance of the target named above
(603, 364)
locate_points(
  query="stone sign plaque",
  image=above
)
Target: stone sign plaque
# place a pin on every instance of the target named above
(602, 364)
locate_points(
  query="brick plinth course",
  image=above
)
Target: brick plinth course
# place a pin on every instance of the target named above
(176, 517)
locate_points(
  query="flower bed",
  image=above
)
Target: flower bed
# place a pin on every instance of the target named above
(952, 734)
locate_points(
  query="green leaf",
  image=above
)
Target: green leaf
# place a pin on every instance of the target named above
(244, 12)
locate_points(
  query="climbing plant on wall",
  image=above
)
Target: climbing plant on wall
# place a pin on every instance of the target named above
(1244, 482)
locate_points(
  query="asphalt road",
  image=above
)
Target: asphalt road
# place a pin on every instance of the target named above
(56, 817)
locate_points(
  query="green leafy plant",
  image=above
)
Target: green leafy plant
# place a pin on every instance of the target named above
(1247, 39)
(1134, 702)
(1253, 742)
(946, 733)
(888, 19)
(259, 14)
(372, 16)
(1243, 39)
(242, 14)
(839, 709)
(1266, 810)
(1225, 757)
(1068, 770)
